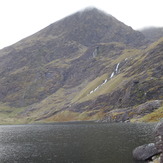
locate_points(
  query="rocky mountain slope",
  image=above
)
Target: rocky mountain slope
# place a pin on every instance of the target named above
(153, 33)
(88, 66)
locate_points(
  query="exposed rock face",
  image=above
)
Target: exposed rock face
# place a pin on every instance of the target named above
(148, 106)
(125, 114)
(88, 64)
(159, 139)
(51, 57)
(153, 33)
(145, 152)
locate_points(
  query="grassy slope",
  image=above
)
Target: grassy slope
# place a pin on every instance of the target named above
(57, 107)
(155, 116)
(134, 58)
(8, 115)
(138, 58)
(49, 75)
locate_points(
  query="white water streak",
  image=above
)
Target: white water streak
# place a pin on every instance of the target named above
(117, 67)
(112, 75)
(105, 81)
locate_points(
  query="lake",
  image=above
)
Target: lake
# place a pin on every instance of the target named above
(78, 142)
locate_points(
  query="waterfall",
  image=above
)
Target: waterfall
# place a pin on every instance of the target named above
(112, 75)
(105, 81)
(116, 69)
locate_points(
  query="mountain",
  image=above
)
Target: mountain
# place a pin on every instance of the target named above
(87, 66)
(153, 33)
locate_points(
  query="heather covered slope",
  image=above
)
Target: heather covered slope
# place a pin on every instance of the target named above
(133, 92)
(87, 66)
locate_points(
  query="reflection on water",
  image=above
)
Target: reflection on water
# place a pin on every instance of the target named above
(72, 142)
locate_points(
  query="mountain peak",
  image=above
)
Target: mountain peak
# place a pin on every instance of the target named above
(91, 26)
(79, 68)
(92, 10)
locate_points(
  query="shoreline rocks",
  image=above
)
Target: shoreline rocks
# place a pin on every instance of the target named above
(159, 139)
(152, 151)
(145, 152)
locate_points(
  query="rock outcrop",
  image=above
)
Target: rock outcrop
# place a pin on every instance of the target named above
(147, 151)
(159, 139)
(153, 33)
(87, 66)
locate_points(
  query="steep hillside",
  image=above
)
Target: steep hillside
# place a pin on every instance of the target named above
(153, 33)
(88, 66)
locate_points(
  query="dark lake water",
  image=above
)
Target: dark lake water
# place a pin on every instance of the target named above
(72, 142)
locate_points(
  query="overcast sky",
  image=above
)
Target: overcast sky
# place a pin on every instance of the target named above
(21, 18)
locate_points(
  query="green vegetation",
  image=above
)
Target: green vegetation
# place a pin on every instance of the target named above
(9, 115)
(91, 86)
(49, 76)
(155, 116)
(111, 85)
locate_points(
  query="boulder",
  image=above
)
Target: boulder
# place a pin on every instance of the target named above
(159, 129)
(145, 152)
(159, 139)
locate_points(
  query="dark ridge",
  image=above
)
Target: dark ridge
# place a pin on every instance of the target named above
(153, 33)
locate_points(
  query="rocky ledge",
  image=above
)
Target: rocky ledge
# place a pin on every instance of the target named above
(152, 152)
